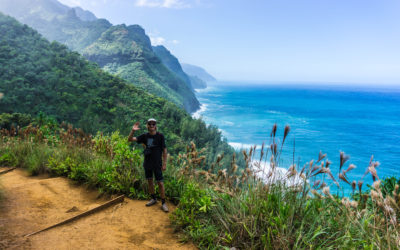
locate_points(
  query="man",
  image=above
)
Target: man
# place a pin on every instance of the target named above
(153, 164)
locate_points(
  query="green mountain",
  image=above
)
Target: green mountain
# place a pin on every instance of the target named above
(56, 21)
(197, 71)
(126, 51)
(122, 50)
(39, 77)
(172, 63)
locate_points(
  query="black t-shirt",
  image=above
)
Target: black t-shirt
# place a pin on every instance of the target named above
(156, 144)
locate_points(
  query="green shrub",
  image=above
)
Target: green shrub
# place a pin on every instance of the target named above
(388, 185)
(174, 187)
(7, 158)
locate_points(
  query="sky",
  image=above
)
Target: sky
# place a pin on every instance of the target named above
(321, 41)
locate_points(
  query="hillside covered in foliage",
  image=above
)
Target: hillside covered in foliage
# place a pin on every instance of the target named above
(172, 63)
(122, 50)
(39, 77)
(126, 51)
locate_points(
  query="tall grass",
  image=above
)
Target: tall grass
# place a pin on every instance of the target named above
(247, 207)
(257, 208)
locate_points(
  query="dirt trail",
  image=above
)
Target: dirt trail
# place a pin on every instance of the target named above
(32, 203)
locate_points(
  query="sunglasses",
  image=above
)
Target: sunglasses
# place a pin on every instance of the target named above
(151, 124)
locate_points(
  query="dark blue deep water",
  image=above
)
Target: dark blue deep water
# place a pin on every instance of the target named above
(361, 121)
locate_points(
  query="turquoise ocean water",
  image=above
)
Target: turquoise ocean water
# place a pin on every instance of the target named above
(361, 121)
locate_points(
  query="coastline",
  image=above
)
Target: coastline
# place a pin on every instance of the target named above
(198, 113)
(319, 119)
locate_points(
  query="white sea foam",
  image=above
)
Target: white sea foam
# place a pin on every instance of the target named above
(198, 113)
(225, 133)
(215, 95)
(228, 123)
(239, 146)
(264, 171)
(276, 112)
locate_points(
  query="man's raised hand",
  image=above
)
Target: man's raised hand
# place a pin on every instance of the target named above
(136, 126)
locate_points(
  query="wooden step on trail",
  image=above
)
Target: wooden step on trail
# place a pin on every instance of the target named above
(7, 170)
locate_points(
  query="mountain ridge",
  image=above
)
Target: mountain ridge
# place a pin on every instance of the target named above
(126, 51)
(197, 71)
(172, 63)
(61, 23)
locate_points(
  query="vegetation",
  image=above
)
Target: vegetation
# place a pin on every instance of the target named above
(121, 50)
(38, 77)
(172, 63)
(57, 22)
(107, 162)
(259, 208)
(222, 207)
(126, 52)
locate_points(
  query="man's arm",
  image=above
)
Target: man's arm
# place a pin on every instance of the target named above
(164, 164)
(134, 128)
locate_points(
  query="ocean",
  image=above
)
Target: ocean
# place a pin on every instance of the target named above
(360, 121)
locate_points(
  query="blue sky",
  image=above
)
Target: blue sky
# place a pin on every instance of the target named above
(355, 41)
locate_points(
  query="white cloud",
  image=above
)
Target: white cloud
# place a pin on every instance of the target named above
(157, 40)
(172, 4)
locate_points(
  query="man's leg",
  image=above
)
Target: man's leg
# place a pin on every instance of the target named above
(149, 177)
(160, 181)
(162, 190)
(151, 187)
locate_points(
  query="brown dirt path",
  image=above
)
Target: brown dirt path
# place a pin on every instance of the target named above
(32, 203)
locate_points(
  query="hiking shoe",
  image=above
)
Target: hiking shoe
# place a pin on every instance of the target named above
(164, 207)
(151, 202)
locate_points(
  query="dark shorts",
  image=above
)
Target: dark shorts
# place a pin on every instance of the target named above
(157, 172)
